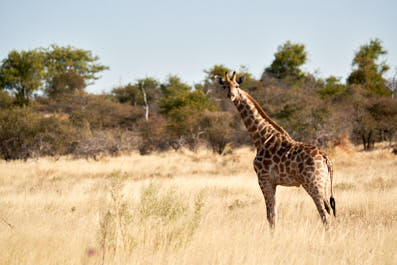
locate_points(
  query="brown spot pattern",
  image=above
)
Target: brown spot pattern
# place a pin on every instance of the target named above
(280, 160)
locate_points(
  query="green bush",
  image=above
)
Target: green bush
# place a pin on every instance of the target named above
(217, 129)
(25, 134)
(154, 135)
(6, 101)
(95, 111)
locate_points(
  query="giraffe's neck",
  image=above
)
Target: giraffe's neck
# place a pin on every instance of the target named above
(261, 128)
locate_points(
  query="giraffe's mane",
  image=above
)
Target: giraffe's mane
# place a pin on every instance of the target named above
(266, 117)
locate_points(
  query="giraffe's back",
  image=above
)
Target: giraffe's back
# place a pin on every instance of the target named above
(292, 165)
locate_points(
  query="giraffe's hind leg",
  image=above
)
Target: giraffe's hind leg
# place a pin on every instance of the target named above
(327, 207)
(269, 192)
(318, 197)
(326, 202)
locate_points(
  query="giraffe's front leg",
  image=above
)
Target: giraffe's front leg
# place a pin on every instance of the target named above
(269, 192)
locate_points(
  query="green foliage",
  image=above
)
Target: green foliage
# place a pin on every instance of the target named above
(288, 58)
(25, 134)
(375, 119)
(92, 111)
(178, 96)
(60, 59)
(66, 82)
(220, 70)
(300, 112)
(211, 86)
(58, 69)
(367, 72)
(22, 73)
(217, 129)
(6, 100)
(184, 111)
(184, 122)
(154, 135)
(214, 71)
(384, 111)
(174, 86)
(183, 107)
(132, 93)
(364, 125)
(309, 108)
(69, 63)
(331, 86)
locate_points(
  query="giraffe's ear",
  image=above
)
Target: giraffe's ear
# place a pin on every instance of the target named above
(219, 80)
(241, 79)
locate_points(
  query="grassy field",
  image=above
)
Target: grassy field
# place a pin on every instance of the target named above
(191, 208)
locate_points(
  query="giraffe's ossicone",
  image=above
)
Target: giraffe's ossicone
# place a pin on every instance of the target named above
(280, 160)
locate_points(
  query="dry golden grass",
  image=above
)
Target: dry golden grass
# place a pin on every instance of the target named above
(191, 208)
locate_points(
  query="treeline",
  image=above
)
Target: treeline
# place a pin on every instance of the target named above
(44, 109)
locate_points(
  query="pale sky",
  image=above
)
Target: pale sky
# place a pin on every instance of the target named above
(181, 37)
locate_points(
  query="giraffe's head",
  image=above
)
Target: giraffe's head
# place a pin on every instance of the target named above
(232, 85)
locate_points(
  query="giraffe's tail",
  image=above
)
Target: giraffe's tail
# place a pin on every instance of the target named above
(331, 174)
(332, 202)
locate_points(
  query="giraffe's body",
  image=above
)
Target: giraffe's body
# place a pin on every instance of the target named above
(280, 160)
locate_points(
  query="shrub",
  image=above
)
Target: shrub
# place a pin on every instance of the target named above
(98, 111)
(154, 135)
(110, 142)
(6, 100)
(217, 129)
(25, 134)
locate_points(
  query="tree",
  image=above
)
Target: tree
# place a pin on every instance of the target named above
(6, 100)
(392, 84)
(25, 134)
(69, 69)
(60, 69)
(178, 95)
(129, 93)
(220, 70)
(384, 112)
(66, 82)
(214, 71)
(22, 73)
(367, 72)
(149, 89)
(183, 107)
(287, 61)
(143, 92)
(217, 129)
(212, 88)
(330, 87)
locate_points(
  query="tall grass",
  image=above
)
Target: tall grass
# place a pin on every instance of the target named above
(191, 208)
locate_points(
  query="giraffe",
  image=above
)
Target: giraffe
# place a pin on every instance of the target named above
(280, 160)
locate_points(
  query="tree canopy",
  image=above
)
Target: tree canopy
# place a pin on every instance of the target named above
(22, 73)
(149, 115)
(287, 61)
(367, 71)
(330, 87)
(132, 92)
(69, 68)
(178, 95)
(54, 70)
